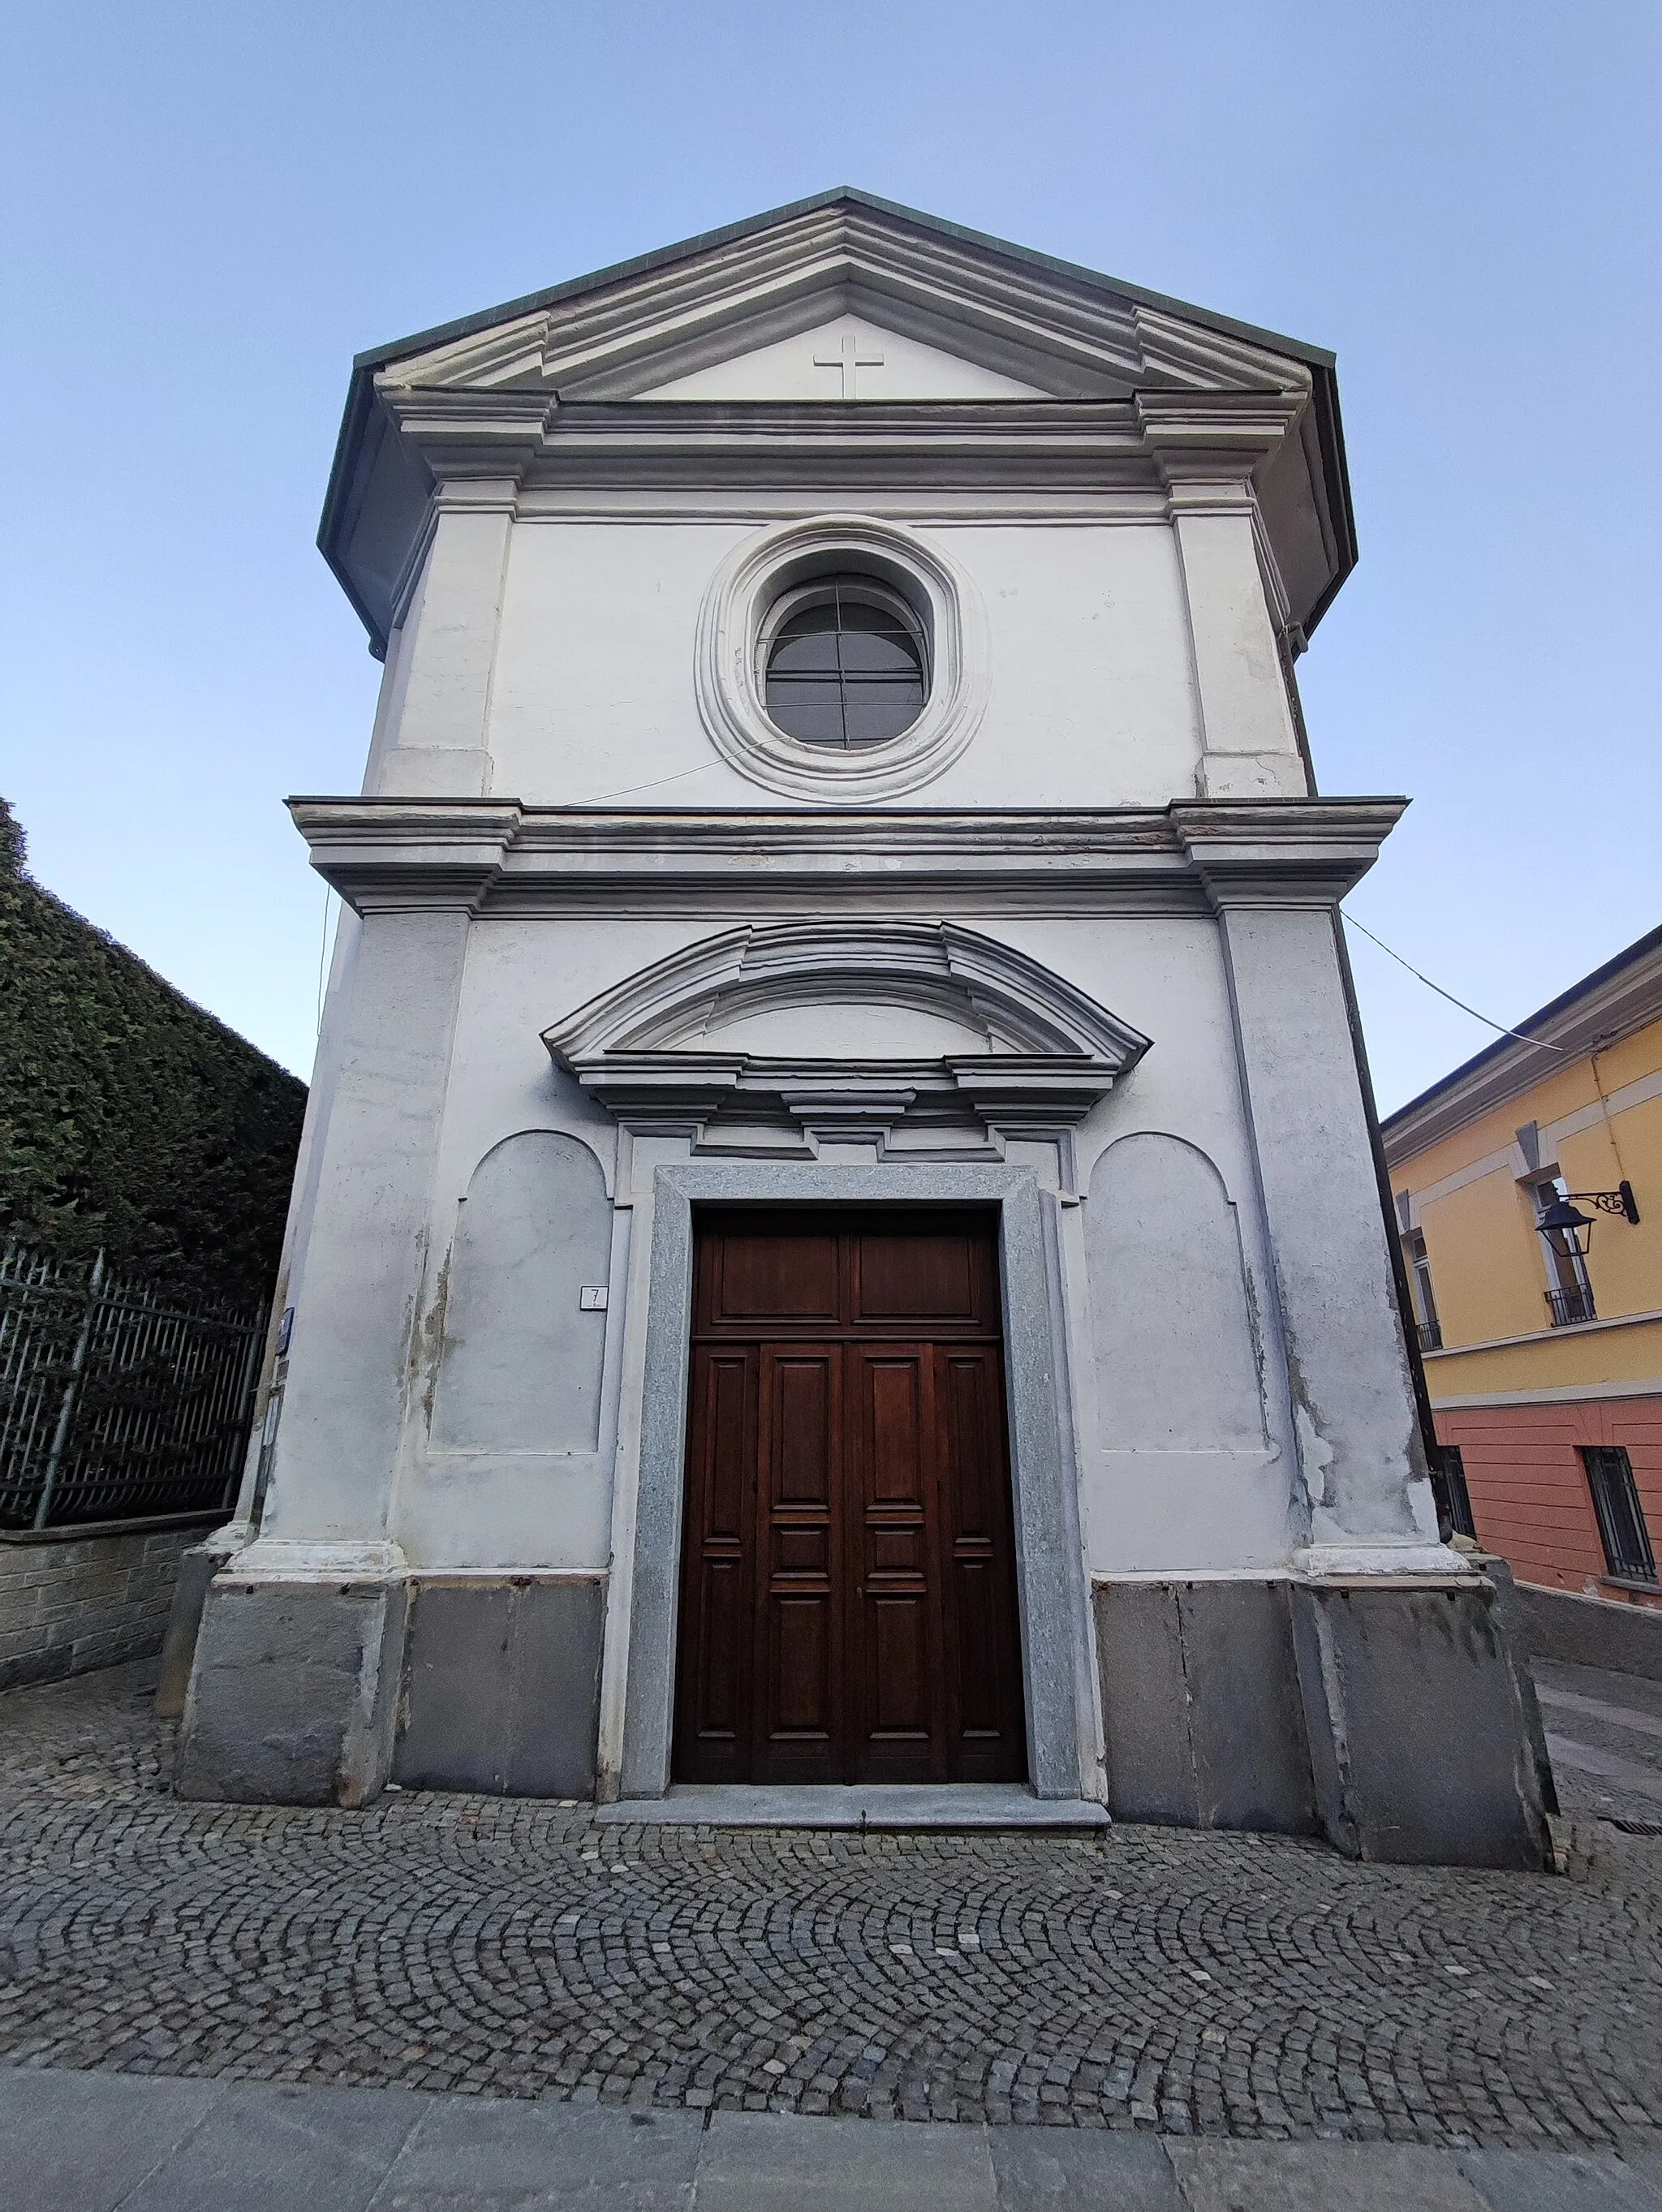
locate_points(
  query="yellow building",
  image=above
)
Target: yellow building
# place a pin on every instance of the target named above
(1528, 1187)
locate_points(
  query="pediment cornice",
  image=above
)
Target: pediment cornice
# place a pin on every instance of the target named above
(1058, 329)
(1069, 332)
(649, 1048)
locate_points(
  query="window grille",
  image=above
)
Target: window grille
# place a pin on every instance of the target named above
(1620, 1517)
(1425, 1301)
(1456, 1496)
(846, 666)
(116, 1402)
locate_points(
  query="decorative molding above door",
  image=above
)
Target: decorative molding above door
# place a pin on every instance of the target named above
(668, 1042)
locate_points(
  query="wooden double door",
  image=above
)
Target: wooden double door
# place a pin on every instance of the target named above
(847, 1591)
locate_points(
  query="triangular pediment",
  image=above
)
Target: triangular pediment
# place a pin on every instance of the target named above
(740, 315)
(762, 312)
(844, 358)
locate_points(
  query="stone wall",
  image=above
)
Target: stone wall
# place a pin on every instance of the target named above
(73, 1598)
(1592, 1631)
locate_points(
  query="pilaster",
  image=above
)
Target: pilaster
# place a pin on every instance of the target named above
(305, 1628)
(1357, 1436)
(439, 746)
(1249, 743)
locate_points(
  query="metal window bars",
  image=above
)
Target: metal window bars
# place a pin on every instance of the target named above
(1615, 1501)
(116, 1401)
(1569, 1305)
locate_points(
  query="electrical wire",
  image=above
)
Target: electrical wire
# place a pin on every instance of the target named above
(1540, 1044)
(657, 784)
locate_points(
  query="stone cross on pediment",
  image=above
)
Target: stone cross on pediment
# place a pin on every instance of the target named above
(849, 359)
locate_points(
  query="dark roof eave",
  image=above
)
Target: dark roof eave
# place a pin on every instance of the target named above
(360, 399)
(1335, 471)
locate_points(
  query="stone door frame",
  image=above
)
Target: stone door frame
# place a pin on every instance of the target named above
(1056, 1637)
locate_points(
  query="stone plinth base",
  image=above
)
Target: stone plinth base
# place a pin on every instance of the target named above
(503, 1685)
(1388, 1714)
(1418, 1737)
(312, 1692)
(294, 1693)
(1201, 1705)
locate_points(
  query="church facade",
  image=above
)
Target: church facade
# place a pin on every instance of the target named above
(838, 1238)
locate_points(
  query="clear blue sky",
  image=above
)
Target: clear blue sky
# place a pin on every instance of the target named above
(211, 208)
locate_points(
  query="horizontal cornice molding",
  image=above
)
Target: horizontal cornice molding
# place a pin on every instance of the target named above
(503, 857)
(1167, 439)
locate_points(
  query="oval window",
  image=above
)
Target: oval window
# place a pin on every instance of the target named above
(845, 663)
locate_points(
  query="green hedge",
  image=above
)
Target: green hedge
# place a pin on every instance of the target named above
(130, 1118)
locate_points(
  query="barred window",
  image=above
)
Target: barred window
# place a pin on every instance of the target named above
(1456, 1495)
(1620, 1517)
(1425, 1301)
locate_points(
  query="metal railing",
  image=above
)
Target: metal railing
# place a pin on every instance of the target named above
(1431, 1335)
(117, 1403)
(1569, 1306)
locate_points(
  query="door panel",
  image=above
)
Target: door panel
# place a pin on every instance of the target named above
(775, 1279)
(717, 1607)
(887, 1499)
(891, 1426)
(977, 1539)
(847, 1607)
(918, 1278)
(800, 1643)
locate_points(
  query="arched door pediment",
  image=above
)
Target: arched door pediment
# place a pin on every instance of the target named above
(785, 1018)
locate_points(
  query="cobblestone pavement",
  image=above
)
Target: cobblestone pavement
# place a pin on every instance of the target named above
(1218, 1984)
(1605, 1736)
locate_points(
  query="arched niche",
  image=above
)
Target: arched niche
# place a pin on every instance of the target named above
(521, 1365)
(1176, 1358)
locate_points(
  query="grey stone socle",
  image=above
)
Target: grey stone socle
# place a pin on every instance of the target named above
(501, 1686)
(1417, 1737)
(1200, 1707)
(293, 1692)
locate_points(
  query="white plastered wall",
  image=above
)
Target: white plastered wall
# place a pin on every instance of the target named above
(1142, 1510)
(1092, 693)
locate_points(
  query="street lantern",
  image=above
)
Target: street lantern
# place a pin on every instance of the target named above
(1566, 1229)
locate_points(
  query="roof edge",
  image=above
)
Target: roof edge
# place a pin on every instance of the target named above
(707, 241)
(1321, 363)
(1493, 1055)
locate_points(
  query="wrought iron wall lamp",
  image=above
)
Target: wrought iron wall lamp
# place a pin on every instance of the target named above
(1569, 1232)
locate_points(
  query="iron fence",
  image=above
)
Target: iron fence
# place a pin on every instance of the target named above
(117, 1403)
(1569, 1306)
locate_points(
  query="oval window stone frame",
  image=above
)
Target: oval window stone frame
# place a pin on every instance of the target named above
(730, 622)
